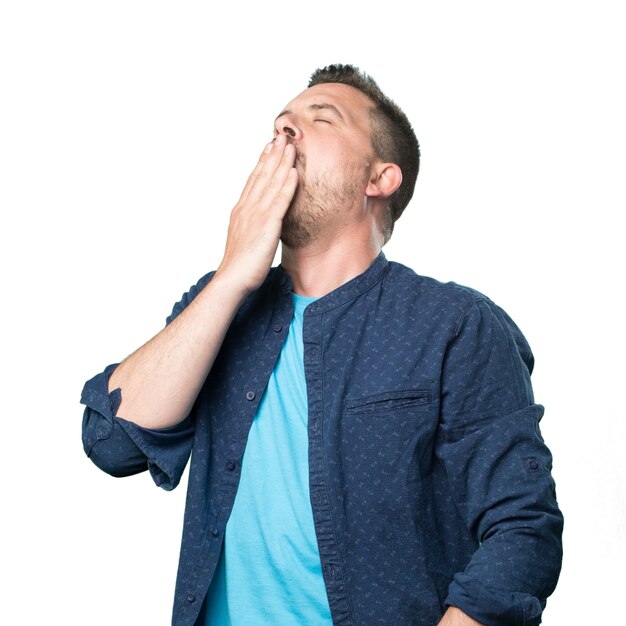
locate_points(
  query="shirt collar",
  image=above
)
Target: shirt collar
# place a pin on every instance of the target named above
(348, 291)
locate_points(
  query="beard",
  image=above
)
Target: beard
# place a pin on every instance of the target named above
(319, 201)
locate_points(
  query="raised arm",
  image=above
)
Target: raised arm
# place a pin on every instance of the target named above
(160, 381)
(137, 413)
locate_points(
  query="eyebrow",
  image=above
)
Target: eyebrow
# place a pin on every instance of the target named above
(317, 107)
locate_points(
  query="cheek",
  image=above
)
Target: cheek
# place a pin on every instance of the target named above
(330, 158)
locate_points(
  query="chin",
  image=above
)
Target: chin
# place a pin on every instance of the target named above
(295, 233)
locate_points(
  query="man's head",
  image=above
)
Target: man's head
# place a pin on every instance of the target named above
(357, 158)
(392, 135)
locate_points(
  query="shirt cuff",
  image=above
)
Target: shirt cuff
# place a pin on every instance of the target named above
(122, 448)
(493, 607)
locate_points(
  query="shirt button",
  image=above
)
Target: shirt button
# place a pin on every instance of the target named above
(532, 463)
(230, 466)
(215, 532)
(250, 395)
(190, 597)
(277, 328)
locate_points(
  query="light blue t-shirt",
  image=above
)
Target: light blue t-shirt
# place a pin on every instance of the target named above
(269, 572)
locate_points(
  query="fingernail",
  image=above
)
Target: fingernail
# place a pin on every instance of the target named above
(280, 140)
(268, 148)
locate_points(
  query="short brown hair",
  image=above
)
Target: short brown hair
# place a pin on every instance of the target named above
(392, 135)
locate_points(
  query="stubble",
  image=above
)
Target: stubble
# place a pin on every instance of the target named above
(316, 203)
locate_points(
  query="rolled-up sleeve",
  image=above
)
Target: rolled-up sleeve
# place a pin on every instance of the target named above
(123, 448)
(499, 470)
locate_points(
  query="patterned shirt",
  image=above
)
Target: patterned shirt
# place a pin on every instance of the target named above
(269, 571)
(429, 480)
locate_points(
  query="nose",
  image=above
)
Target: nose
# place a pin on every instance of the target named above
(287, 125)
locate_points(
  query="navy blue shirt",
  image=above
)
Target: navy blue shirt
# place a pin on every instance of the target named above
(429, 480)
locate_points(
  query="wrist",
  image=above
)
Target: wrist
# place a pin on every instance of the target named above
(230, 286)
(456, 617)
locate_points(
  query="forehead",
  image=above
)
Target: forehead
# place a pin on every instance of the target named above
(353, 104)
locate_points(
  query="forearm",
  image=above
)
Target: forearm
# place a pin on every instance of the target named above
(161, 380)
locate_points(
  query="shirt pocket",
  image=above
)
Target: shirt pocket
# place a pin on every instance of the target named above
(387, 442)
(389, 402)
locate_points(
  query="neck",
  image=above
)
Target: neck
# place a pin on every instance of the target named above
(321, 267)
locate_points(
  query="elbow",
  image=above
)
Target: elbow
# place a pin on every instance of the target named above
(114, 464)
(109, 447)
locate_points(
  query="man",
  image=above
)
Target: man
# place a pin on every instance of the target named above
(365, 442)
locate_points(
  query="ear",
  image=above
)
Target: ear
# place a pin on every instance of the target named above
(384, 180)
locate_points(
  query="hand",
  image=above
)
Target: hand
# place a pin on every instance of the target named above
(256, 221)
(456, 617)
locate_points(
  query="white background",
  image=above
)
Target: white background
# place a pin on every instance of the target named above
(127, 130)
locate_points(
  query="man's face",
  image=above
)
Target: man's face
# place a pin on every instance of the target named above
(329, 126)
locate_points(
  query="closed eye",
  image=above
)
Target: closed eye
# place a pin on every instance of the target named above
(325, 121)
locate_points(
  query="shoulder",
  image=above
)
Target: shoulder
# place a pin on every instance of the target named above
(405, 283)
(458, 305)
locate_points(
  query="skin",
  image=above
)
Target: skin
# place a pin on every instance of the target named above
(342, 193)
(456, 617)
(319, 189)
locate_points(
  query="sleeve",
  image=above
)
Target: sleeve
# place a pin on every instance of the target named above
(122, 448)
(498, 468)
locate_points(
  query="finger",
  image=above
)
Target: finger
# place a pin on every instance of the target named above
(267, 164)
(264, 194)
(287, 191)
(255, 172)
(263, 178)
